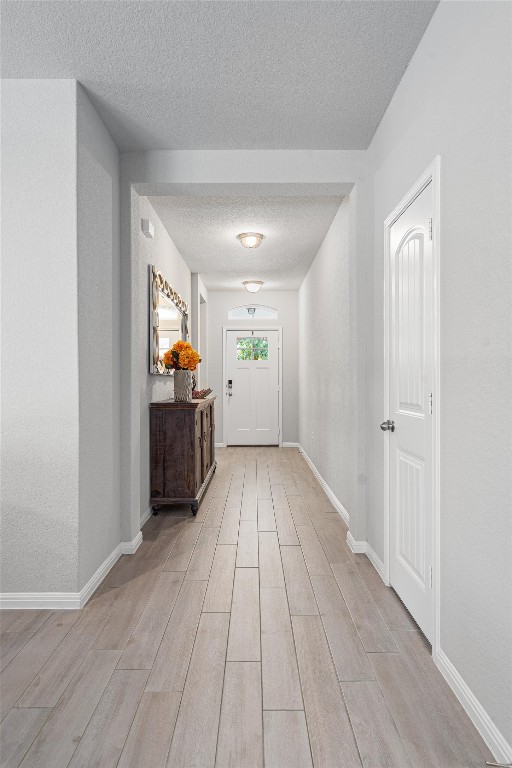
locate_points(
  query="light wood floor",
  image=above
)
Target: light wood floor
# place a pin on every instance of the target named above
(247, 636)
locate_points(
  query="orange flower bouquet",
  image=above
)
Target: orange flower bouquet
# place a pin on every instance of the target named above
(181, 357)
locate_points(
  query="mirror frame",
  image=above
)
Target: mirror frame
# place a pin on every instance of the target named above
(157, 285)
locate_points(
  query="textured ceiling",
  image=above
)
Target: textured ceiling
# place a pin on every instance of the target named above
(204, 229)
(223, 75)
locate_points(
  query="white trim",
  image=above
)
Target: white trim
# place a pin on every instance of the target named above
(40, 600)
(363, 548)
(357, 547)
(252, 327)
(332, 498)
(145, 516)
(69, 600)
(130, 547)
(431, 175)
(487, 729)
(375, 561)
(290, 445)
(220, 445)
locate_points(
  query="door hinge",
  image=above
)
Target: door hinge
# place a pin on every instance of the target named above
(430, 399)
(430, 229)
(430, 576)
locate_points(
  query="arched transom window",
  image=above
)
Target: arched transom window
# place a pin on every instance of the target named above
(252, 312)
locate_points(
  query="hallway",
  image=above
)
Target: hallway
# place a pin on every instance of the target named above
(247, 636)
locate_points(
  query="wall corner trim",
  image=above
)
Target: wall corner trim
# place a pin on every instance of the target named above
(487, 729)
(357, 547)
(332, 498)
(130, 547)
(363, 548)
(376, 562)
(145, 516)
(69, 600)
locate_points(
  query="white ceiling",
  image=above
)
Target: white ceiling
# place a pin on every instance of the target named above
(204, 229)
(223, 75)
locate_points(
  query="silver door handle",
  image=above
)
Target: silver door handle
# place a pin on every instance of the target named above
(388, 425)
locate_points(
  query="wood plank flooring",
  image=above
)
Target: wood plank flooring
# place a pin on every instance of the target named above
(249, 636)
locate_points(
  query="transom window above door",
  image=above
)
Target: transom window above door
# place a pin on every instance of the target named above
(252, 348)
(252, 312)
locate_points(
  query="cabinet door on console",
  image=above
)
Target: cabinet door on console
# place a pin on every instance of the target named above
(198, 453)
(157, 453)
(172, 445)
(212, 434)
(206, 412)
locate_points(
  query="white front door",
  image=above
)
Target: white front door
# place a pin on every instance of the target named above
(252, 387)
(410, 387)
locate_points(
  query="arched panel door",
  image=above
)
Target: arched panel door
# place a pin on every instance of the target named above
(410, 387)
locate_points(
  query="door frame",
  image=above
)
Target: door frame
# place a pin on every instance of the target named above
(252, 327)
(431, 175)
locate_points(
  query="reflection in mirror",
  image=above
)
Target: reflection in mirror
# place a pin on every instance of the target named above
(169, 324)
(168, 320)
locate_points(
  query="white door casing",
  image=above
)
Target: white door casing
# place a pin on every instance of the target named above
(252, 386)
(411, 315)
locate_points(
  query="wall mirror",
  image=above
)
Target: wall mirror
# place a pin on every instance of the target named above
(168, 320)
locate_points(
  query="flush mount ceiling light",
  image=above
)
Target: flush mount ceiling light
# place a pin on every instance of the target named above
(252, 286)
(250, 239)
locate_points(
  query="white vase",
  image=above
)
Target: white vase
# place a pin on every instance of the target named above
(183, 386)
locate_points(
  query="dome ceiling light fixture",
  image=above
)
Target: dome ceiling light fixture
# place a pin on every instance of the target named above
(250, 239)
(252, 286)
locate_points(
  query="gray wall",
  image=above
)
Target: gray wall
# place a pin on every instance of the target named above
(60, 377)
(98, 339)
(161, 252)
(219, 302)
(327, 412)
(40, 447)
(454, 100)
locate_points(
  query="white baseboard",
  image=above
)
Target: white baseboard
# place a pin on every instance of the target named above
(69, 600)
(357, 547)
(145, 516)
(487, 729)
(332, 498)
(130, 547)
(291, 445)
(376, 562)
(363, 548)
(53, 601)
(220, 445)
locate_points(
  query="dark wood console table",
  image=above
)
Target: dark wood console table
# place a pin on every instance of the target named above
(182, 448)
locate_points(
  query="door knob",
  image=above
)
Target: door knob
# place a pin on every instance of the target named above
(388, 425)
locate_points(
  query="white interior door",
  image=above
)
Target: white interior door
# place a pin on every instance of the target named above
(410, 394)
(252, 387)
